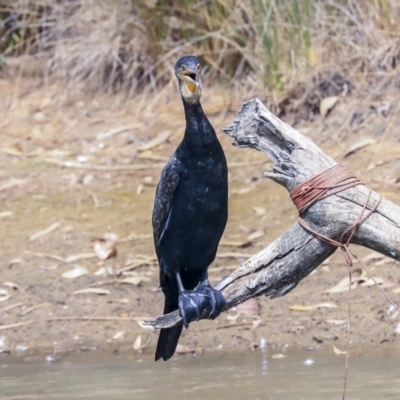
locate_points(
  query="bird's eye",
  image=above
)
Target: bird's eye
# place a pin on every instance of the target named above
(183, 67)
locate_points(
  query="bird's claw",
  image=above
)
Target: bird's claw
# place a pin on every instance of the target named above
(216, 302)
(191, 305)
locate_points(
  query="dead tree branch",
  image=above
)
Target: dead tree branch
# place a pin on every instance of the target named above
(278, 268)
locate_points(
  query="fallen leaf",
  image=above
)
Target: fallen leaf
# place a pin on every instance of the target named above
(138, 343)
(49, 267)
(394, 316)
(100, 271)
(12, 182)
(139, 189)
(342, 286)
(39, 116)
(4, 295)
(135, 280)
(5, 214)
(11, 285)
(256, 323)
(338, 352)
(298, 307)
(256, 235)
(106, 247)
(241, 191)
(384, 261)
(336, 322)
(148, 181)
(119, 335)
(259, 211)
(75, 272)
(327, 105)
(358, 146)
(278, 356)
(377, 281)
(88, 179)
(76, 257)
(181, 349)
(44, 232)
(232, 318)
(103, 250)
(111, 237)
(15, 261)
(92, 290)
(157, 141)
(14, 150)
(373, 257)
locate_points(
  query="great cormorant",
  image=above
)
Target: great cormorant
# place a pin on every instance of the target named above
(190, 213)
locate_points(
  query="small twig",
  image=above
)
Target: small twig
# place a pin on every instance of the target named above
(11, 326)
(74, 164)
(10, 307)
(30, 309)
(45, 231)
(70, 259)
(115, 131)
(134, 265)
(74, 318)
(134, 167)
(134, 236)
(106, 282)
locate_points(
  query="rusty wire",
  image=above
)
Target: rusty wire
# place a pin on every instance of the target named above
(325, 184)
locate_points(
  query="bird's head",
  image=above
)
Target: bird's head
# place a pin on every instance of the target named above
(188, 70)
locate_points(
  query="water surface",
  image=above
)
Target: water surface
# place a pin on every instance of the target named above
(248, 376)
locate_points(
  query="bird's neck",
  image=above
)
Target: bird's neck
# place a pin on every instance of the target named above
(199, 131)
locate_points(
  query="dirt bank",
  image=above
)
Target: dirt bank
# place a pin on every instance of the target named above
(57, 295)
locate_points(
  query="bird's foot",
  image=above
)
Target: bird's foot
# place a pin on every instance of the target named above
(215, 301)
(191, 305)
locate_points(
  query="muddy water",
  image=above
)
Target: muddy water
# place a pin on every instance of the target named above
(300, 375)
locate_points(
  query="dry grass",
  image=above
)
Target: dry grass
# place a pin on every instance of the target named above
(113, 44)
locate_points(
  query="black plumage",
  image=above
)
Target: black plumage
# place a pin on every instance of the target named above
(190, 213)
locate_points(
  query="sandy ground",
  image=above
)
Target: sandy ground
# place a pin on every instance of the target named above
(57, 294)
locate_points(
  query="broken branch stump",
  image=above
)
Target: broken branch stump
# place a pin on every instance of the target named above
(277, 269)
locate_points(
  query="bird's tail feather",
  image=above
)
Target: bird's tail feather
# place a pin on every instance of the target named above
(167, 342)
(168, 339)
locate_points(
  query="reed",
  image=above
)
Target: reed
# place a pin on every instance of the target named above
(133, 44)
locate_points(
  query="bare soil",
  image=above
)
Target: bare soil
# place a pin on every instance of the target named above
(54, 203)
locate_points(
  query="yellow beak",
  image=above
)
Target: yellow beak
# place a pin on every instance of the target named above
(190, 83)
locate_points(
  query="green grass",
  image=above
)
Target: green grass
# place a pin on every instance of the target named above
(133, 44)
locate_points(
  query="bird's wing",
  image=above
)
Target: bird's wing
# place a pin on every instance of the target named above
(164, 196)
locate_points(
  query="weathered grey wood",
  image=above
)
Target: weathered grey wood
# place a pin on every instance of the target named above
(278, 268)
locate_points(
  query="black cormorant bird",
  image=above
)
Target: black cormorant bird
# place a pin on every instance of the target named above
(190, 214)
